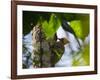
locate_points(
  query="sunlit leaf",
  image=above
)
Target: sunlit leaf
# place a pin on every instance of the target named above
(80, 24)
(51, 27)
(77, 27)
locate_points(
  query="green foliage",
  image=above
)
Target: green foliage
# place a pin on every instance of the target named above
(77, 27)
(82, 58)
(80, 24)
(81, 28)
(50, 22)
(51, 27)
(86, 55)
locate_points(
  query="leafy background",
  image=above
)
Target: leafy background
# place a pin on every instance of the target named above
(51, 22)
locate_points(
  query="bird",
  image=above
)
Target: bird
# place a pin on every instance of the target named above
(68, 28)
(58, 50)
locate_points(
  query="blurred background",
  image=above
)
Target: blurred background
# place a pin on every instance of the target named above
(52, 23)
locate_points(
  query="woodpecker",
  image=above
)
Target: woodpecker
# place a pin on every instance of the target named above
(58, 50)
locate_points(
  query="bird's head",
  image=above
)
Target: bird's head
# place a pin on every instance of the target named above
(64, 40)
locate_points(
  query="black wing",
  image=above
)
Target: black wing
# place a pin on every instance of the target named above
(68, 28)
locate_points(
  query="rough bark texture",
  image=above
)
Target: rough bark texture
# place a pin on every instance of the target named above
(41, 49)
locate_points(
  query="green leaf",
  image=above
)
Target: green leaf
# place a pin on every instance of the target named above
(81, 25)
(77, 27)
(51, 27)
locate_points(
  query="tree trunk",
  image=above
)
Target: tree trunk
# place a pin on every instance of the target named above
(41, 48)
